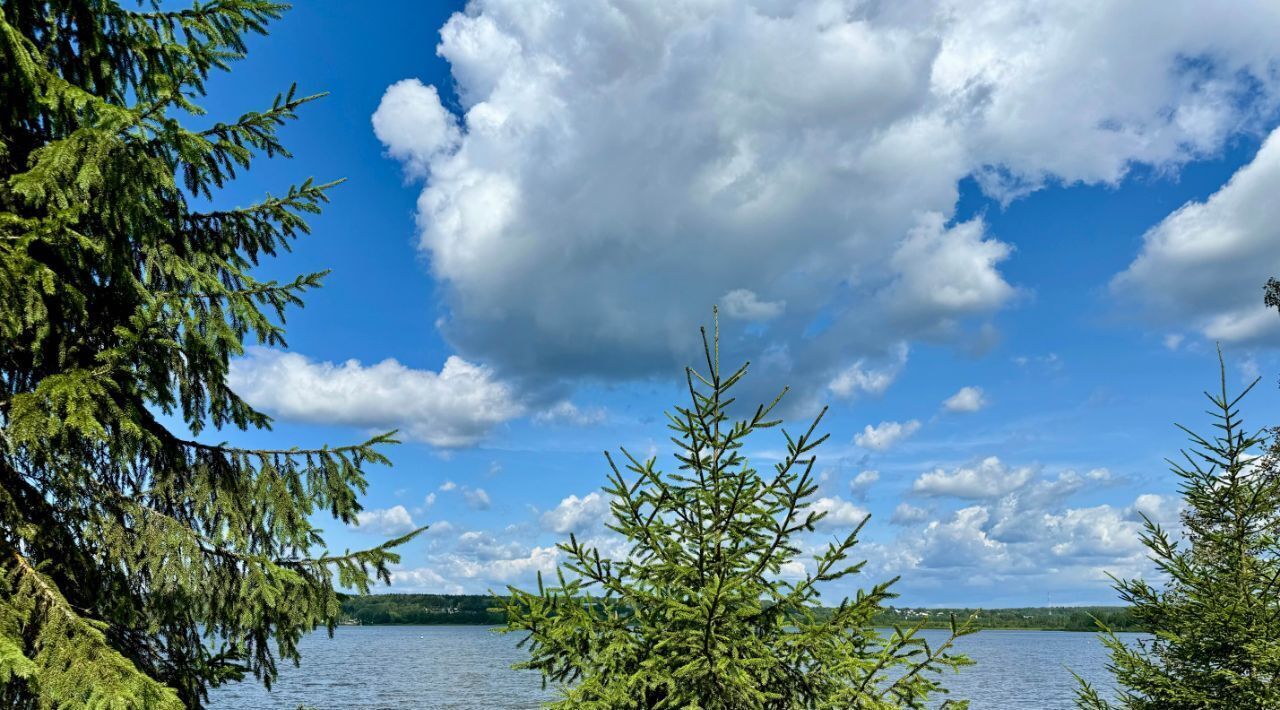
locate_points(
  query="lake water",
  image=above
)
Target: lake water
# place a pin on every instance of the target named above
(468, 668)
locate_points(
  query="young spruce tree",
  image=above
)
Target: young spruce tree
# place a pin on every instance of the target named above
(141, 566)
(697, 614)
(1215, 622)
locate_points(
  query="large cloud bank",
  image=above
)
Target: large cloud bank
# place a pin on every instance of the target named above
(1202, 268)
(614, 168)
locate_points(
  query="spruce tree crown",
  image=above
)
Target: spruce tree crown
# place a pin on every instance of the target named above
(1214, 619)
(705, 609)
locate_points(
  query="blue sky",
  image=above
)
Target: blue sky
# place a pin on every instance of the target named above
(890, 205)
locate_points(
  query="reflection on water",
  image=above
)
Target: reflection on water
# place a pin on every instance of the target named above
(468, 668)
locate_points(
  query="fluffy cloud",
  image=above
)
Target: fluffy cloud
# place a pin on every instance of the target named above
(440, 527)
(387, 521)
(989, 478)
(1204, 266)
(501, 569)
(414, 126)
(840, 513)
(949, 271)
(424, 580)
(1159, 509)
(968, 399)
(568, 413)
(793, 570)
(483, 545)
(863, 481)
(962, 541)
(457, 406)
(746, 305)
(1024, 538)
(807, 156)
(476, 561)
(884, 436)
(1101, 532)
(574, 514)
(1018, 531)
(861, 378)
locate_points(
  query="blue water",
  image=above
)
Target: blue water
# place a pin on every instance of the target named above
(468, 668)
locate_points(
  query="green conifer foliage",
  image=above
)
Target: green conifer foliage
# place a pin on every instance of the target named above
(139, 566)
(1215, 621)
(697, 614)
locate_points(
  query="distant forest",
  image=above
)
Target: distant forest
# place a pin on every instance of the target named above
(1054, 618)
(469, 609)
(435, 609)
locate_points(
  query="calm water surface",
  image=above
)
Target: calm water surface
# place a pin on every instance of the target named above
(468, 668)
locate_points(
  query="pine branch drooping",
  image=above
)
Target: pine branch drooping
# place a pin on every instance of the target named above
(140, 567)
(697, 614)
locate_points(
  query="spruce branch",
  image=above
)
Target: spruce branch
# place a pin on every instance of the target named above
(99, 675)
(125, 304)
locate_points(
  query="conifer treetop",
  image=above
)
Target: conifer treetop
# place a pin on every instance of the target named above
(702, 610)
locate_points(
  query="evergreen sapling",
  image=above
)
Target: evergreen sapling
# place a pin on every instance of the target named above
(697, 613)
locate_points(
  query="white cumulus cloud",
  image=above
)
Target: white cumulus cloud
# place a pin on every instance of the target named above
(861, 377)
(414, 126)
(989, 478)
(1019, 532)
(863, 481)
(840, 513)
(1205, 264)
(806, 155)
(385, 521)
(455, 407)
(968, 399)
(885, 435)
(574, 514)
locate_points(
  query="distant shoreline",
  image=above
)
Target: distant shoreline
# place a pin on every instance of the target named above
(938, 627)
(484, 610)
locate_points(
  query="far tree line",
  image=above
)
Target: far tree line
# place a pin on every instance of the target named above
(486, 610)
